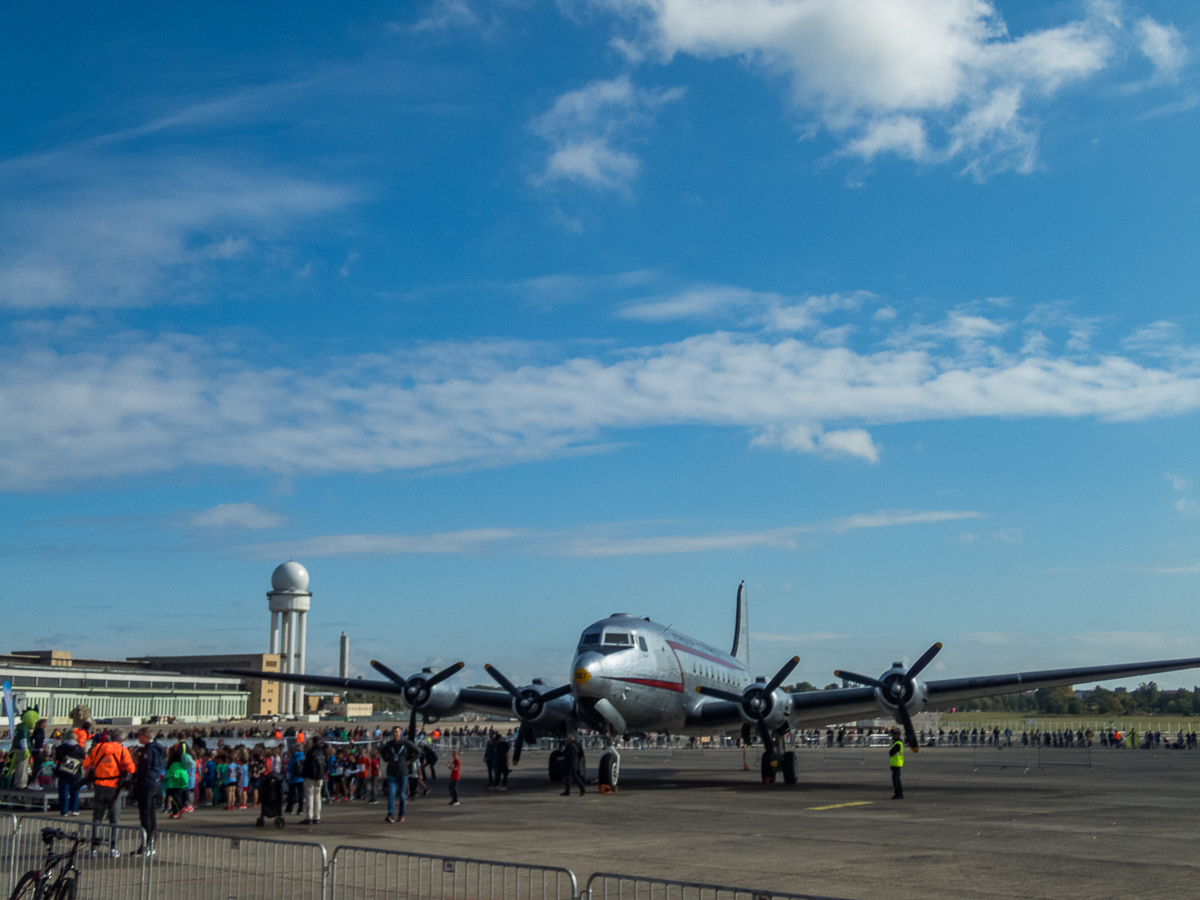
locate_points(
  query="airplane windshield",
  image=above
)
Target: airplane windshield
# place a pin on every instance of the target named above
(592, 638)
(617, 637)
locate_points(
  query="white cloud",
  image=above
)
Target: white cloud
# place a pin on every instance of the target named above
(1187, 507)
(813, 439)
(130, 405)
(236, 515)
(927, 80)
(763, 309)
(589, 131)
(1009, 535)
(888, 518)
(1163, 46)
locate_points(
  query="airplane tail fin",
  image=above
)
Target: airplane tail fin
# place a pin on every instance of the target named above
(741, 628)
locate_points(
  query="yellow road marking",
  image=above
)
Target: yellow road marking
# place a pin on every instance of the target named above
(841, 805)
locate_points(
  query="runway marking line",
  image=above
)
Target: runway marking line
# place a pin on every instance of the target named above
(842, 805)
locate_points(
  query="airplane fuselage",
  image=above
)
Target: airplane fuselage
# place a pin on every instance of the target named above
(648, 674)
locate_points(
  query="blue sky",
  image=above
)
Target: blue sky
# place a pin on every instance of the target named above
(502, 316)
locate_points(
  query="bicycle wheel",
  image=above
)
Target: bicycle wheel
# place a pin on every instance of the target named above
(27, 888)
(66, 890)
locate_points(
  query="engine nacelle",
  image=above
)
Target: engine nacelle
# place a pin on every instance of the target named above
(542, 716)
(775, 707)
(434, 702)
(912, 693)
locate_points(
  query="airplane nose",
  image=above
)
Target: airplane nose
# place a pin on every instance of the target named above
(584, 672)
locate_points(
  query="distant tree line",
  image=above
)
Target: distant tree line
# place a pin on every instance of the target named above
(1145, 700)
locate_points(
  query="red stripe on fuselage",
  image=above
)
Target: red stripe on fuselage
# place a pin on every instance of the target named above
(650, 682)
(692, 650)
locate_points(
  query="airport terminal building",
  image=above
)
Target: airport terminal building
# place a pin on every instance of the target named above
(55, 682)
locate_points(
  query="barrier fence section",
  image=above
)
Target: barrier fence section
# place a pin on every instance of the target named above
(100, 874)
(608, 886)
(1015, 757)
(8, 833)
(361, 873)
(190, 866)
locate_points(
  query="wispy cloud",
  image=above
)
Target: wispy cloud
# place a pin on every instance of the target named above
(236, 515)
(597, 542)
(469, 541)
(589, 131)
(133, 405)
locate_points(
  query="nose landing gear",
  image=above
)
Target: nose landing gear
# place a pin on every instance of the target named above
(610, 770)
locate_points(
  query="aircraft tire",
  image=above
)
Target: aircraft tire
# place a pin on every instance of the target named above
(556, 765)
(610, 770)
(788, 765)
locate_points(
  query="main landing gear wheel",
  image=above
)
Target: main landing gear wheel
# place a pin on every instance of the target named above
(788, 764)
(610, 772)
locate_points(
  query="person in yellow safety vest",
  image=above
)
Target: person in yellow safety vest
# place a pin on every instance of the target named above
(897, 762)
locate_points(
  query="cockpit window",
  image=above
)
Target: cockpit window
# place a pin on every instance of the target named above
(617, 637)
(642, 644)
(592, 638)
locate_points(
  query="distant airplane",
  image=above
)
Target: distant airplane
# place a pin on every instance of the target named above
(633, 676)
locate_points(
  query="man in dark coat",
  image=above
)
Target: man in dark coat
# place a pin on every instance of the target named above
(147, 785)
(571, 766)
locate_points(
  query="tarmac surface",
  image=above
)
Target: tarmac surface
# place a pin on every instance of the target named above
(1126, 827)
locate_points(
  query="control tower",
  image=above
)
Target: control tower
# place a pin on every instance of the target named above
(290, 596)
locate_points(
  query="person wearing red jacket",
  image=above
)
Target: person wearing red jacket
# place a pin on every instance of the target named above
(108, 765)
(455, 775)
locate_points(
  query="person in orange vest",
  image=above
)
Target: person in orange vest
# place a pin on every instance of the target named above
(108, 765)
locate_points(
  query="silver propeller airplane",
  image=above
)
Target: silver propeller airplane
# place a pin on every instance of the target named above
(632, 676)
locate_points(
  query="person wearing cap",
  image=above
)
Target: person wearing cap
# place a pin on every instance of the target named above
(110, 765)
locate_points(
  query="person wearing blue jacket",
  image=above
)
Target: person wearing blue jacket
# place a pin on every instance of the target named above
(295, 781)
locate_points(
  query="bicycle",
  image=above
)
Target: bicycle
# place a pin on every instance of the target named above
(42, 884)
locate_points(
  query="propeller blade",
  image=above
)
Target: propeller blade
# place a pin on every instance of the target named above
(444, 674)
(557, 692)
(518, 744)
(908, 728)
(768, 742)
(499, 678)
(860, 679)
(782, 674)
(719, 694)
(746, 733)
(926, 659)
(381, 668)
(412, 725)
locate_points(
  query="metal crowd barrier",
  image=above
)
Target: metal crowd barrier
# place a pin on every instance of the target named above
(101, 875)
(607, 886)
(190, 866)
(360, 873)
(8, 845)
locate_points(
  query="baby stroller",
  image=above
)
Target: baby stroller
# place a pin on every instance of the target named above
(271, 795)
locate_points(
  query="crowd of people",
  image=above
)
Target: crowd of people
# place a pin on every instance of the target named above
(174, 771)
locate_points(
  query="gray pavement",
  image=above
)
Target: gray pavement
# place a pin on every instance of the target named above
(1126, 827)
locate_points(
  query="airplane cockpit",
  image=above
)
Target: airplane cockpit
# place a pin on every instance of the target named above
(610, 640)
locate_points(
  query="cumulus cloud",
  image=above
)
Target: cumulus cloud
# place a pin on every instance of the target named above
(236, 515)
(131, 405)
(589, 131)
(926, 80)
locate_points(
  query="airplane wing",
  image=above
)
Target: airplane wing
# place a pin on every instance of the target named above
(821, 707)
(482, 700)
(326, 681)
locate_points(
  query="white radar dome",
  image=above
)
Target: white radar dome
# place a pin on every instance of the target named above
(289, 576)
